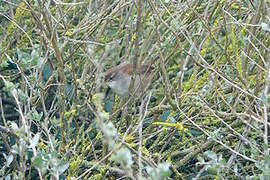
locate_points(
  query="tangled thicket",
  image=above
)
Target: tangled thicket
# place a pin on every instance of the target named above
(205, 114)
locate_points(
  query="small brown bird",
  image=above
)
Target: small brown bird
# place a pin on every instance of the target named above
(119, 78)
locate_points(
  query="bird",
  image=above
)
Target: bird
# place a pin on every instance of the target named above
(119, 78)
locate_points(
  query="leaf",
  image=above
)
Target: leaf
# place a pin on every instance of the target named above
(23, 97)
(34, 58)
(108, 105)
(39, 162)
(200, 159)
(160, 172)
(34, 141)
(212, 170)
(265, 27)
(164, 116)
(123, 156)
(9, 159)
(14, 126)
(211, 155)
(267, 160)
(235, 169)
(63, 168)
(35, 116)
(4, 64)
(164, 170)
(46, 73)
(9, 86)
(8, 177)
(264, 99)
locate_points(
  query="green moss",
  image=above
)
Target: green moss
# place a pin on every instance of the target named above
(53, 9)
(74, 165)
(235, 6)
(22, 17)
(252, 79)
(189, 84)
(211, 121)
(222, 61)
(23, 41)
(201, 81)
(11, 28)
(21, 12)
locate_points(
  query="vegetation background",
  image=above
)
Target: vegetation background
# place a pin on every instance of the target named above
(205, 115)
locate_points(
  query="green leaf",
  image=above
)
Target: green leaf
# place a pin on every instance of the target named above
(34, 141)
(46, 73)
(166, 1)
(8, 177)
(200, 159)
(108, 105)
(162, 171)
(9, 86)
(123, 156)
(164, 116)
(8, 158)
(264, 99)
(39, 161)
(63, 168)
(211, 155)
(4, 64)
(22, 96)
(35, 116)
(212, 170)
(14, 126)
(265, 27)
(34, 58)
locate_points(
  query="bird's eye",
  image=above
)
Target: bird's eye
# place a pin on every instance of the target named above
(111, 78)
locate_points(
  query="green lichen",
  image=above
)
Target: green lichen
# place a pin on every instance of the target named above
(22, 17)
(189, 84)
(74, 165)
(23, 41)
(201, 81)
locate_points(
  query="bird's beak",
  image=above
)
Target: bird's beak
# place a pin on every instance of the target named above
(110, 84)
(107, 91)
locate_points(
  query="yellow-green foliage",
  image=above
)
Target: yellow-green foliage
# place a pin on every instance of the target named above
(145, 150)
(236, 51)
(88, 137)
(23, 41)
(205, 49)
(22, 18)
(77, 159)
(180, 128)
(196, 85)
(211, 121)
(235, 6)
(100, 175)
(75, 163)
(43, 146)
(129, 139)
(201, 81)
(71, 113)
(252, 79)
(189, 84)
(216, 23)
(69, 32)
